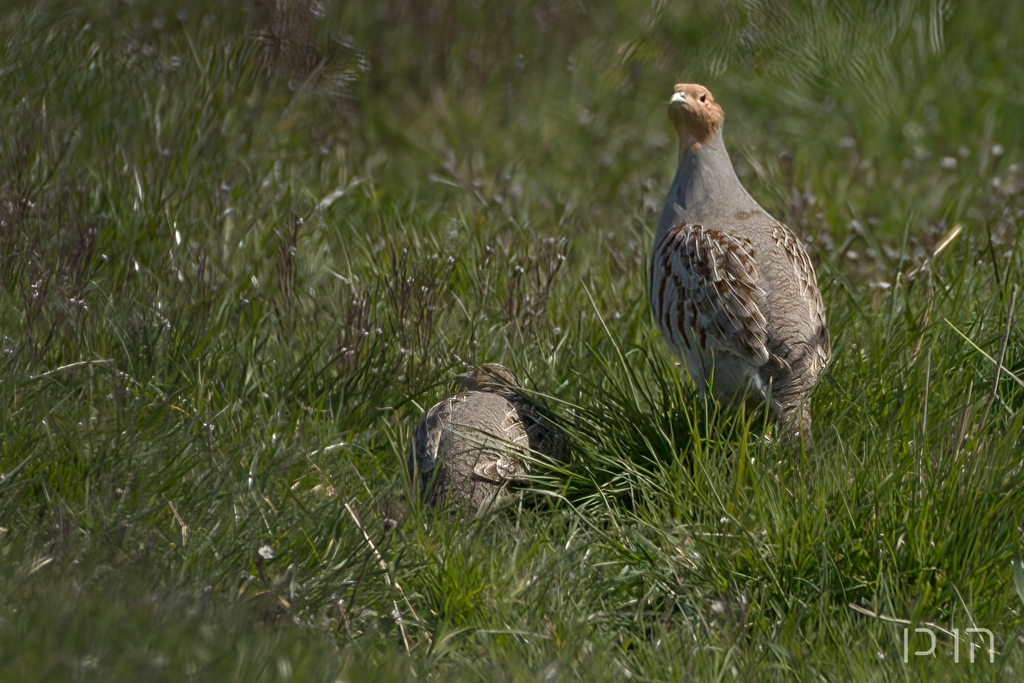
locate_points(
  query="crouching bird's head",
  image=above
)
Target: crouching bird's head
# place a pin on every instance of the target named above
(694, 112)
(489, 377)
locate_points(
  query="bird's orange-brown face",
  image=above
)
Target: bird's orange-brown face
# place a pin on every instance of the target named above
(694, 112)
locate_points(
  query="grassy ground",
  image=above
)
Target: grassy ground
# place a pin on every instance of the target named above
(242, 249)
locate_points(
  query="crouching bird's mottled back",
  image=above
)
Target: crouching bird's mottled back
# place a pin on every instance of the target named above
(731, 288)
(471, 448)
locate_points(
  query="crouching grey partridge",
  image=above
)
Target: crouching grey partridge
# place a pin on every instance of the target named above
(731, 288)
(472, 448)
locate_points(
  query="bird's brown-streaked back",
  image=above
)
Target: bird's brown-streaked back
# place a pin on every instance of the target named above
(731, 288)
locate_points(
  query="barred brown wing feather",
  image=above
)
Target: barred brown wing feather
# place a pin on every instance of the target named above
(499, 471)
(704, 293)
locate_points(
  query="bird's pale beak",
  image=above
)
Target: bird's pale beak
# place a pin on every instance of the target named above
(678, 98)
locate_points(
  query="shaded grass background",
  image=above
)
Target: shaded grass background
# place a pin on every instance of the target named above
(242, 248)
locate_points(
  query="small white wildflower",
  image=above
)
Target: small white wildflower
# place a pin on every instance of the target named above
(266, 552)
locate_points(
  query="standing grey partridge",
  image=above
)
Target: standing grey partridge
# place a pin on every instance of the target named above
(731, 288)
(470, 447)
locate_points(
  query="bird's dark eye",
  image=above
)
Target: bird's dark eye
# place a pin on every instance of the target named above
(703, 97)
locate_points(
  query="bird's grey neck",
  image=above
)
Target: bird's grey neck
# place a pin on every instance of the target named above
(705, 189)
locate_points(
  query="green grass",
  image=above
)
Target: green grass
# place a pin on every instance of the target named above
(242, 249)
